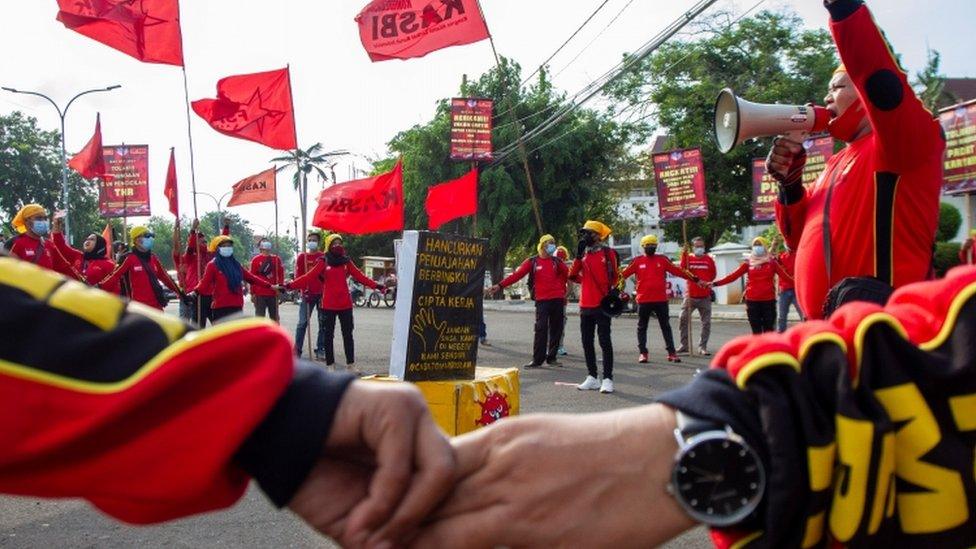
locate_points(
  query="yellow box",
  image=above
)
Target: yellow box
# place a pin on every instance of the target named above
(460, 406)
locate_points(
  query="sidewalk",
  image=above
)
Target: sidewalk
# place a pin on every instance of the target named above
(719, 312)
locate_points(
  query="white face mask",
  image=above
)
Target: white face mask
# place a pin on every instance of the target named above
(265, 245)
(226, 251)
(312, 246)
(699, 252)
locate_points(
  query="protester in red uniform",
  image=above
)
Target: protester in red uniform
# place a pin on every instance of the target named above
(651, 271)
(223, 280)
(760, 285)
(91, 262)
(267, 266)
(311, 296)
(547, 287)
(334, 268)
(698, 297)
(142, 271)
(193, 261)
(30, 244)
(787, 291)
(967, 253)
(876, 205)
(596, 270)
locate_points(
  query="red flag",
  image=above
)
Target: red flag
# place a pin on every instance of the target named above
(256, 107)
(148, 30)
(452, 199)
(371, 205)
(90, 163)
(170, 188)
(107, 234)
(396, 29)
(257, 188)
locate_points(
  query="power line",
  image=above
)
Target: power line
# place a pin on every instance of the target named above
(590, 43)
(560, 48)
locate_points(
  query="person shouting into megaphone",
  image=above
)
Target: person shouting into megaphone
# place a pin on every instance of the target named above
(876, 204)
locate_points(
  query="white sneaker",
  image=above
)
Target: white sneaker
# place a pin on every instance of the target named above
(606, 386)
(591, 384)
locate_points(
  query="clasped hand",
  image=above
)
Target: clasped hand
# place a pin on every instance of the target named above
(388, 477)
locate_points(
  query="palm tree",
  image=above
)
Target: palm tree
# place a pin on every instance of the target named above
(306, 162)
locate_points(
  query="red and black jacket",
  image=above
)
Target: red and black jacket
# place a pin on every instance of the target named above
(92, 270)
(761, 283)
(651, 277)
(214, 284)
(335, 291)
(138, 280)
(597, 273)
(269, 268)
(120, 388)
(548, 277)
(874, 209)
(41, 252)
(866, 423)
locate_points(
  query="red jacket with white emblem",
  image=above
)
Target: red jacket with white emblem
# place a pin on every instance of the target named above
(652, 278)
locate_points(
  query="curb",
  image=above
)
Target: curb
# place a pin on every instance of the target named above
(522, 306)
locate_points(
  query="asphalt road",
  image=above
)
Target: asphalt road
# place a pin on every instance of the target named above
(252, 522)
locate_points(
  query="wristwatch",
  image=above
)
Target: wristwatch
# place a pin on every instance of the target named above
(717, 477)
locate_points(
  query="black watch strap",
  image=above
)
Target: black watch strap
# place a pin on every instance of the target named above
(689, 425)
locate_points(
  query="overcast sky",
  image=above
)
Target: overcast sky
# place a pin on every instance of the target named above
(342, 99)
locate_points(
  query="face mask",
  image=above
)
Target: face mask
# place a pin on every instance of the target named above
(699, 252)
(147, 243)
(312, 246)
(649, 250)
(550, 249)
(265, 245)
(338, 250)
(226, 251)
(40, 227)
(845, 126)
(759, 250)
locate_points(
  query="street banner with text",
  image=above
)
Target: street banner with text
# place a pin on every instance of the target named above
(126, 192)
(959, 168)
(764, 192)
(819, 151)
(471, 129)
(441, 279)
(680, 178)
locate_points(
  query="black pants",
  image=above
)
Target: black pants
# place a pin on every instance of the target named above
(762, 315)
(266, 304)
(593, 320)
(223, 312)
(201, 310)
(548, 329)
(660, 310)
(328, 319)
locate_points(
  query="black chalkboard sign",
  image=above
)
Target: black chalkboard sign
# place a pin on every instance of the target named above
(441, 281)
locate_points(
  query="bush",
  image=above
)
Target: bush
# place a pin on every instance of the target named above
(949, 222)
(946, 257)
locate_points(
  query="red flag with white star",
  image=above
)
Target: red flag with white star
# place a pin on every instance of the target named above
(256, 107)
(148, 30)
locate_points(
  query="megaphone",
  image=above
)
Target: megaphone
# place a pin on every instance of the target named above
(737, 120)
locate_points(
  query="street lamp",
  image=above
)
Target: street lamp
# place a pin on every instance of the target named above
(62, 113)
(217, 201)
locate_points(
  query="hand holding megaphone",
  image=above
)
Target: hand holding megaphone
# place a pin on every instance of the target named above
(738, 120)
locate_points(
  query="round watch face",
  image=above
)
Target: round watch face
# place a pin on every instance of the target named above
(718, 480)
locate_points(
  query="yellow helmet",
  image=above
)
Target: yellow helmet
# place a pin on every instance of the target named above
(649, 240)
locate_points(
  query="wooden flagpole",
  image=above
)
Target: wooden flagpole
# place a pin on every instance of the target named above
(518, 130)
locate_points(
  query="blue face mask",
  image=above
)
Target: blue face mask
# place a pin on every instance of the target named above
(147, 242)
(40, 227)
(265, 245)
(226, 251)
(312, 246)
(551, 249)
(759, 250)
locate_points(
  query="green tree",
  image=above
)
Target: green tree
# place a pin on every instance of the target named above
(571, 166)
(30, 172)
(949, 222)
(306, 162)
(768, 58)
